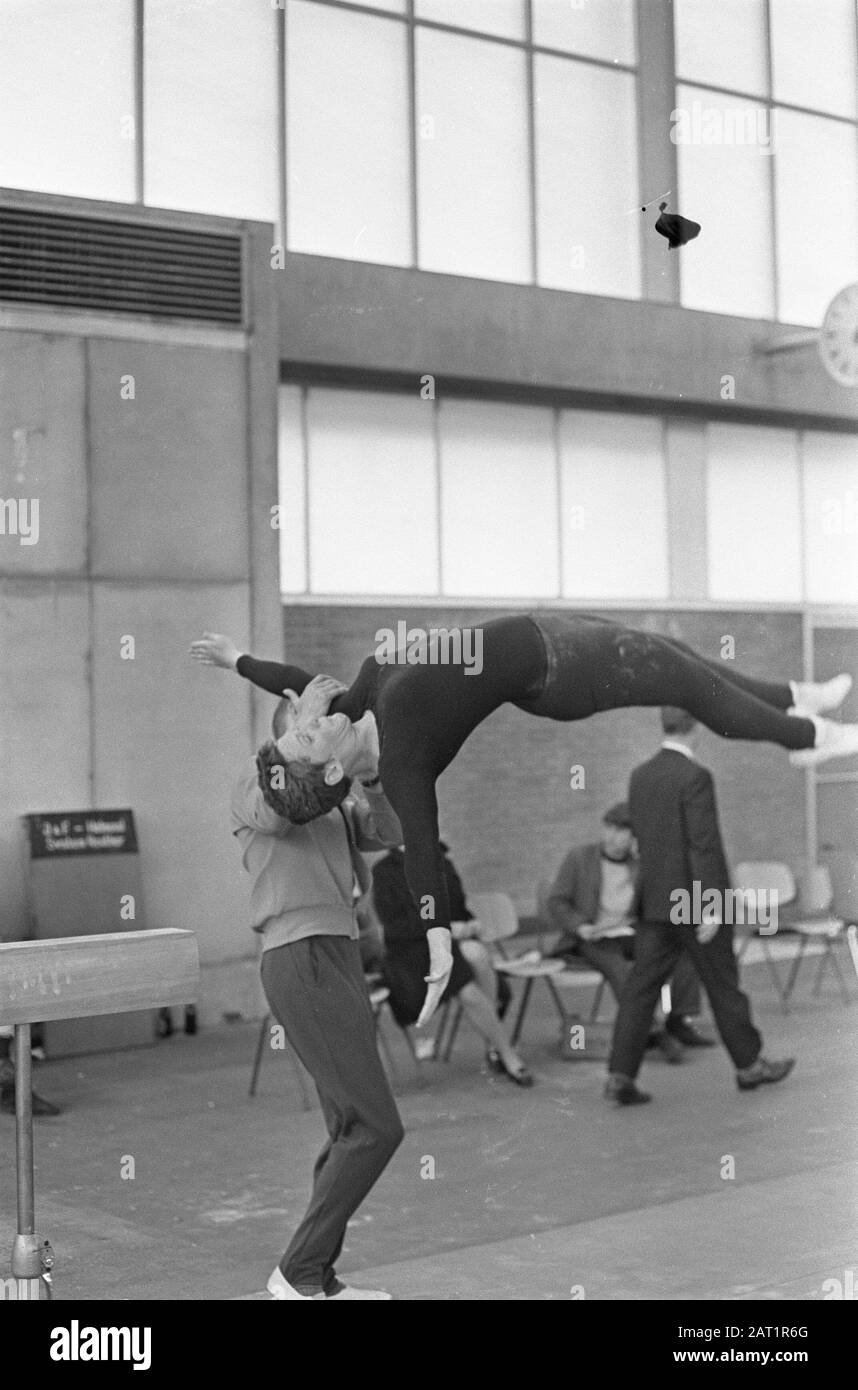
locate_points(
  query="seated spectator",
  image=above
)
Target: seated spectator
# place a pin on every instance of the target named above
(406, 962)
(593, 904)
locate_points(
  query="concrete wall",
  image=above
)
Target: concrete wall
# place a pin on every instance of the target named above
(507, 809)
(154, 524)
(512, 341)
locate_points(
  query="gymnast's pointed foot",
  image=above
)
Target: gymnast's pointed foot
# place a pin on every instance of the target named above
(833, 740)
(819, 697)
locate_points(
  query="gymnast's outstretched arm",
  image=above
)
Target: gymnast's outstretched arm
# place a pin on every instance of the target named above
(214, 649)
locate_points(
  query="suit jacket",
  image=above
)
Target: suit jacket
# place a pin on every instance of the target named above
(576, 892)
(675, 819)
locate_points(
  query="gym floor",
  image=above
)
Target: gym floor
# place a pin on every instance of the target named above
(541, 1194)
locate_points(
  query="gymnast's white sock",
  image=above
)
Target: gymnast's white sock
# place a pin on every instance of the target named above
(818, 697)
(833, 740)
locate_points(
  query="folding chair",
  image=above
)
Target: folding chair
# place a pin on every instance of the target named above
(816, 898)
(758, 876)
(498, 921)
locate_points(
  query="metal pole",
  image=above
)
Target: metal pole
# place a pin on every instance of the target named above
(24, 1123)
(26, 1255)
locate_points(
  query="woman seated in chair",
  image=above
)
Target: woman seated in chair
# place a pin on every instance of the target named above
(406, 962)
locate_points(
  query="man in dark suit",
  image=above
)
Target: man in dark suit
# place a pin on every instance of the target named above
(672, 807)
(593, 902)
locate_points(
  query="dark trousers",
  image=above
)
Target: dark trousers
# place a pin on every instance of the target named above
(594, 665)
(658, 948)
(614, 956)
(316, 991)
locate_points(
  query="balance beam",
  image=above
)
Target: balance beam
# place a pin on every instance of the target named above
(77, 977)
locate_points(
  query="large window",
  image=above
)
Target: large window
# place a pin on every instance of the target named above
(587, 228)
(347, 167)
(472, 157)
(495, 139)
(67, 103)
(766, 124)
(392, 496)
(210, 110)
(753, 514)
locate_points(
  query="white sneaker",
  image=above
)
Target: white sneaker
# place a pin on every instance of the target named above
(833, 740)
(279, 1287)
(819, 697)
(348, 1292)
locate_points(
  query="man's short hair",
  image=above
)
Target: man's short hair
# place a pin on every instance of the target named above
(300, 793)
(619, 816)
(676, 721)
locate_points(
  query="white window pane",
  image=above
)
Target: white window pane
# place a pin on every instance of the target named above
(725, 185)
(291, 492)
(613, 506)
(753, 525)
(504, 17)
(473, 187)
(814, 55)
(587, 178)
(499, 506)
(67, 97)
(817, 205)
(210, 107)
(373, 494)
(831, 517)
(595, 28)
(722, 43)
(347, 160)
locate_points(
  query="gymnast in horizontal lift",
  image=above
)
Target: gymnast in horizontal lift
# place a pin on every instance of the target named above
(406, 721)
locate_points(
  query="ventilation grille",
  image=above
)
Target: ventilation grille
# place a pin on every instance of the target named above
(89, 263)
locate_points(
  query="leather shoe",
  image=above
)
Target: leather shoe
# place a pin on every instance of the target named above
(623, 1091)
(762, 1072)
(686, 1033)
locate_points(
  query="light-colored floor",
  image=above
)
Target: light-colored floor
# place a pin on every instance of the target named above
(542, 1194)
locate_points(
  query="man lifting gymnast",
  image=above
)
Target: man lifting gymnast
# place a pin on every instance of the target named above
(406, 722)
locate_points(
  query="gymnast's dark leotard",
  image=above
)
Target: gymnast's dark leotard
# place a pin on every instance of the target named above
(563, 668)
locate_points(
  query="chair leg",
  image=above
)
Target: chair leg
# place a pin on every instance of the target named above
(844, 990)
(796, 966)
(452, 1031)
(260, 1048)
(440, 1032)
(823, 962)
(558, 1002)
(597, 1000)
(783, 993)
(522, 1010)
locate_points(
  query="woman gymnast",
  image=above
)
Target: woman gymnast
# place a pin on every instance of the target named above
(406, 722)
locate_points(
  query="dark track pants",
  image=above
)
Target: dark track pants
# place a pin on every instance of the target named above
(316, 991)
(658, 947)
